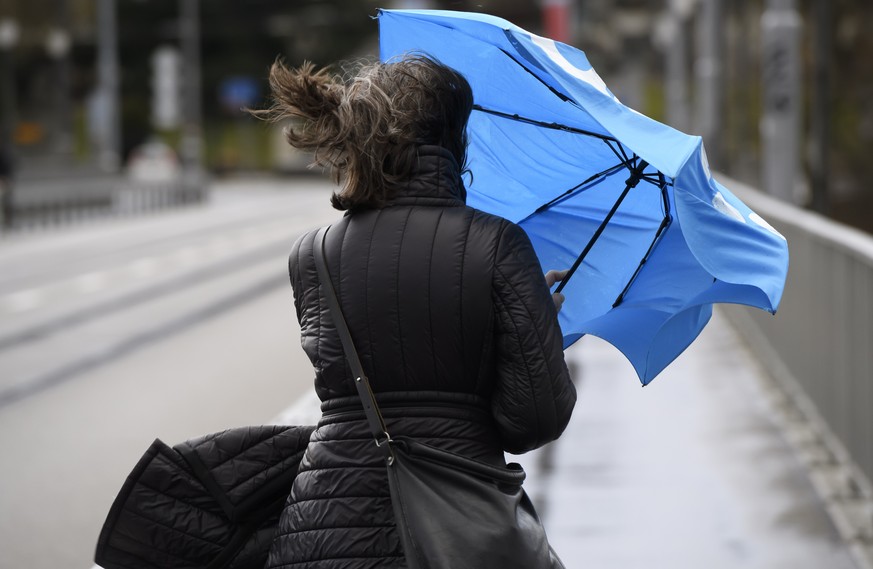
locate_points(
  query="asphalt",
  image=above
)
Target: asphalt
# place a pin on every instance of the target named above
(689, 472)
(692, 471)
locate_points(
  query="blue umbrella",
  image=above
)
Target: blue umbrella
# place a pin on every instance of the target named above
(627, 202)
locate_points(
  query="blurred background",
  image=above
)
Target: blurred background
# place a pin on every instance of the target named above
(146, 219)
(108, 87)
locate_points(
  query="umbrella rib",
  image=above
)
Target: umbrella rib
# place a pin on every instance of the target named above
(636, 174)
(582, 186)
(634, 164)
(665, 223)
(627, 160)
(554, 91)
(622, 156)
(656, 180)
(543, 124)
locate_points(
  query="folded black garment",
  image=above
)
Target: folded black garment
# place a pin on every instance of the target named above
(208, 503)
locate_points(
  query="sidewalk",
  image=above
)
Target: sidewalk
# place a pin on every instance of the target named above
(689, 472)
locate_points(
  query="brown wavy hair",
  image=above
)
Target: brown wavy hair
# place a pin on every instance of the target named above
(366, 129)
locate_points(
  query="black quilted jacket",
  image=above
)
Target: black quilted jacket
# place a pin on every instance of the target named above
(458, 334)
(208, 503)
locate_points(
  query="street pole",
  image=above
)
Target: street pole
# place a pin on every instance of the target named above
(192, 137)
(819, 162)
(708, 72)
(780, 124)
(676, 45)
(109, 143)
(631, 25)
(556, 19)
(8, 39)
(9, 33)
(58, 44)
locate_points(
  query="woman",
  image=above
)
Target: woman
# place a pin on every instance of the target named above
(447, 305)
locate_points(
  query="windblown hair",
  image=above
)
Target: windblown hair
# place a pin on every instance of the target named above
(367, 129)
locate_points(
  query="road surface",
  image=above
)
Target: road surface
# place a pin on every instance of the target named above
(171, 325)
(181, 323)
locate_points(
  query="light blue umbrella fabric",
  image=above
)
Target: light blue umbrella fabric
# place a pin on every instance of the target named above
(713, 248)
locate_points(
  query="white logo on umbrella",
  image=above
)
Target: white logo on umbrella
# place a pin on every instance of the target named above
(763, 223)
(588, 75)
(722, 205)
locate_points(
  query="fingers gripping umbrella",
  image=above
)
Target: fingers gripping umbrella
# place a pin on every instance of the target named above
(628, 203)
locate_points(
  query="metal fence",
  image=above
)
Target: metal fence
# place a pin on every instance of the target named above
(39, 201)
(821, 341)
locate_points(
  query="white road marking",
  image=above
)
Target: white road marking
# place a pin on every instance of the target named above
(90, 282)
(218, 246)
(252, 237)
(277, 231)
(23, 300)
(144, 267)
(186, 256)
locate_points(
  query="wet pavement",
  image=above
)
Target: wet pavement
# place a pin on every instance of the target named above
(690, 472)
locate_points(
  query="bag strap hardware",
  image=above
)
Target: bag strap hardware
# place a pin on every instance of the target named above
(386, 440)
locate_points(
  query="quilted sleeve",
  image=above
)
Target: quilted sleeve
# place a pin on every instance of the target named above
(302, 246)
(534, 396)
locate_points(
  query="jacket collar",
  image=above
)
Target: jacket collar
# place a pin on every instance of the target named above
(436, 180)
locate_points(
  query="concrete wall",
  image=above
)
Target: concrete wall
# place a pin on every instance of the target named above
(820, 343)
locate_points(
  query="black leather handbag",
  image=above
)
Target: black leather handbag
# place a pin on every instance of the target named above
(452, 512)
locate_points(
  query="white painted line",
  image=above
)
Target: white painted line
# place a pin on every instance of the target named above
(252, 238)
(219, 243)
(23, 300)
(143, 267)
(186, 256)
(91, 282)
(218, 246)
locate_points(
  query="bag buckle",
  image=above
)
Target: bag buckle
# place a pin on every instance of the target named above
(386, 440)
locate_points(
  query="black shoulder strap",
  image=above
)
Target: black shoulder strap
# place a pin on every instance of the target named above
(368, 400)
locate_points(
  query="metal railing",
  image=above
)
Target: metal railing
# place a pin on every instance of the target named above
(820, 343)
(56, 199)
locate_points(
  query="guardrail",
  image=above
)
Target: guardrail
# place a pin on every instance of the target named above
(51, 200)
(820, 344)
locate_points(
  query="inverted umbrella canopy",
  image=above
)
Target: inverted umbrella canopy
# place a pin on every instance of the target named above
(629, 202)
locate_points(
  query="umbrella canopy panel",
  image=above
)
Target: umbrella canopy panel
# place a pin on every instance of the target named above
(626, 201)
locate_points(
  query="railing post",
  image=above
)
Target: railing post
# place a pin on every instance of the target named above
(780, 28)
(109, 143)
(708, 72)
(192, 136)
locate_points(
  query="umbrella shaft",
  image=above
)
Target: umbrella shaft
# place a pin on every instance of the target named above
(665, 223)
(636, 175)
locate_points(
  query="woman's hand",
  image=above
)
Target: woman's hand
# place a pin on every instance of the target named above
(553, 277)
